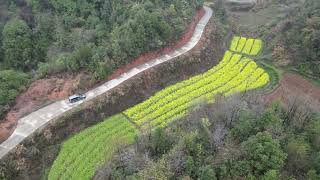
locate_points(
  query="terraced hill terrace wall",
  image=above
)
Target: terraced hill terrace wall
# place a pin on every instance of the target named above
(35, 154)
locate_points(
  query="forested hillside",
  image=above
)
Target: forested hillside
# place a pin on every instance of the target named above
(295, 37)
(235, 138)
(43, 37)
(245, 115)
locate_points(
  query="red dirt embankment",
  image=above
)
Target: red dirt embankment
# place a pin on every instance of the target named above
(54, 88)
(293, 86)
(40, 93)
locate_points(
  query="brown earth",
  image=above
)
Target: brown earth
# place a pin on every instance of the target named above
(293, 86)
(45, 91)
(41, 92)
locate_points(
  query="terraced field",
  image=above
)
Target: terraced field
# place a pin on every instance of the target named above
(233, 74)
(83, 153)
(247, 46)
(236, 73)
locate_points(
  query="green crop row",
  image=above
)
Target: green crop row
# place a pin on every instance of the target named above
(82, 154)
(246, 46)
(211, 90)
(256, 48)
(168, 104)
(202, 87)
(138, 109)
(189, 86)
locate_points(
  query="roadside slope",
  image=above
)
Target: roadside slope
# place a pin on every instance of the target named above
(33, 157)
(37, 119)
(57, 87)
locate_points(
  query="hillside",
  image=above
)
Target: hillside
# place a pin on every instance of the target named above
(58, 49)
(160, 110)
(228, 91)
(235, 138)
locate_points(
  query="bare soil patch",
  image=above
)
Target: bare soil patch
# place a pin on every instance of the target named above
(40, 93)
(293, 86)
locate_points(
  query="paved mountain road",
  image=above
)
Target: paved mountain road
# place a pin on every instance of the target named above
(30, 123)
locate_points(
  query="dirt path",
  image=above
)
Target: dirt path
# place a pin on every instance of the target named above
(294, 86)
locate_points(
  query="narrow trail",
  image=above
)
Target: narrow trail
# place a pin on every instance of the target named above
(32, 122)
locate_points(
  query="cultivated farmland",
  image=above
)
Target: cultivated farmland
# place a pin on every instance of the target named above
(247, 46)
(83, 153)
(236, 73)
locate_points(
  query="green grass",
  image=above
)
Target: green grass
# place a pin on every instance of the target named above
(274, 73)
(250, 21)
(83, 153)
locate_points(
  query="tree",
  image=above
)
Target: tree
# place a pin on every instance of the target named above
(17, 45)
(62, 6)
(316, 161)
(1, 50)
(161, 142)
(298, 154)
(157, 171)
(243, 129)
(35, 4)
(220, 10)
(207, 173)
(42, 36)
(312, 175)
(314, 132)
(263, 153)
(248, 126)
(271, 175)
(11, 83)
(190, 166)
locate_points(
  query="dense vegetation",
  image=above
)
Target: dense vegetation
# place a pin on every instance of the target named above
(235, 138)
(11, 83)
(295, 37)
(53, 36)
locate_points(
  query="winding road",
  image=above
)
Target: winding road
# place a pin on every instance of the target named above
(30, 123)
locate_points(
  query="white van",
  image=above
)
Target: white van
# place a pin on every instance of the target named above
(76, 98)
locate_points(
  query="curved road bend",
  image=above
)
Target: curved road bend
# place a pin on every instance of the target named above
(30, 123)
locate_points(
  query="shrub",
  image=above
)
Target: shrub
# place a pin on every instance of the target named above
(11, 83)
(263, 153)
